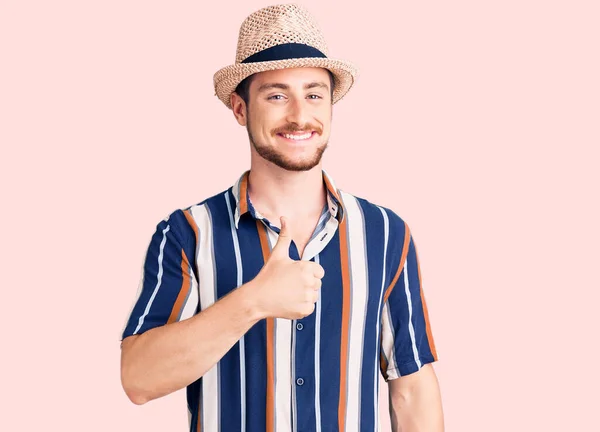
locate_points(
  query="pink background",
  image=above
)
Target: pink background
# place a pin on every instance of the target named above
(477, 122)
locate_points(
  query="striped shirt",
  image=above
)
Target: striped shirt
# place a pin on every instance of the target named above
(318, 373)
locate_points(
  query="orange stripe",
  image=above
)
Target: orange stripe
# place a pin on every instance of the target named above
(331, 188)
(345, 324)
(401, 265)
(192, 222)
(183, 292)
(243, 192)
(186, 282)
(425, 312)
(335, 194)
(264, 244)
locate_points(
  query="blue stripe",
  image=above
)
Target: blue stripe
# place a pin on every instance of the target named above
(398, 305)
(305, 369)
(150, 271)
(168, 282)
(331, 320)
(418, 317)
(285, 51)
(317, 352)
(255, 338)
(229, 198)
(397, 232)
(374, 231)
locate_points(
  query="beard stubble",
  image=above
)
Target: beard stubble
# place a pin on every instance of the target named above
(279, 159)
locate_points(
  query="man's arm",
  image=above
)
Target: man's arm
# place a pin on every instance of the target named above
(170, 357)
(416, 403)
(407, 345)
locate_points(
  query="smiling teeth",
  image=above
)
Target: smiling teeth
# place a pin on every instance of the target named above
(298, 137)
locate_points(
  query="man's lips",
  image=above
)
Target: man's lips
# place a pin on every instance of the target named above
(297, 136)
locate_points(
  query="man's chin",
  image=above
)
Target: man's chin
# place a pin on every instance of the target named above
(285, 163)
(291, 165)
(295, 166)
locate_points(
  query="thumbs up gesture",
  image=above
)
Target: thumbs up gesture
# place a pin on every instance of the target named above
(286, 288)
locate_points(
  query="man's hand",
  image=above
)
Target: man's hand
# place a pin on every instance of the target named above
(285, 288)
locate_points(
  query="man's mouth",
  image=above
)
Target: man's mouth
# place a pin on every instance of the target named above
(297, 136)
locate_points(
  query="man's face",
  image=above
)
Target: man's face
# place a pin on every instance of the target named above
(289, 116)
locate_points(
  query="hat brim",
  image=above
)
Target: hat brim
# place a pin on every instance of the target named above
(227, 79)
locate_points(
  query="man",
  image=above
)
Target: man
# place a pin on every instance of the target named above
(279, 301)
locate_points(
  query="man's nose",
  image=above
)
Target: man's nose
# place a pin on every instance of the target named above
(298, 112)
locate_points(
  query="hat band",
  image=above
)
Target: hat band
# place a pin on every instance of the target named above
(283, 52)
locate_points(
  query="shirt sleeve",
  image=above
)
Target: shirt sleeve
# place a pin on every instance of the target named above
(168, 288)
(406, 338)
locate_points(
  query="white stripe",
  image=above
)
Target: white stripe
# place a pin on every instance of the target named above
(359, 293)
(205, 265)
(388, 343)
(386, 235)
(316, 245)
(158, 281)
(334, 187)
(236, 189)
(321, 223)
(191, 304)
(283, 365)
(236, 194)
(411, 329)
(318, 360)
(240, 279)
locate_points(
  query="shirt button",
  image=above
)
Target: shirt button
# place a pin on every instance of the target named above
(299, 326)
(300, 381)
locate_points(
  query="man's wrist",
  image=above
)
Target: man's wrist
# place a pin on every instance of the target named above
(249, 300)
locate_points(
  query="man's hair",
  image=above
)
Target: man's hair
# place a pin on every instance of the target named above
(244, 86)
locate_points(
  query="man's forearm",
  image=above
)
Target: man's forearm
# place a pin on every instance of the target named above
(416, 403)
(168, 358)
(422, 414)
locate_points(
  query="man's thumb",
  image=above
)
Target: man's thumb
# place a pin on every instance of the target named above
(282, 247)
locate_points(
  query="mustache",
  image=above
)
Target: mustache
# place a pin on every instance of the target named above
(291, 128)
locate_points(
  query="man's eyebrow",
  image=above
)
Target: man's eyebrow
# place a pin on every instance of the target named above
(269, 86)
(316, 84)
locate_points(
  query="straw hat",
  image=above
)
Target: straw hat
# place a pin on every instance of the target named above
(278, 37)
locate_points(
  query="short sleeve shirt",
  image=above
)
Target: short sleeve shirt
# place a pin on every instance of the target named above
(318, 373)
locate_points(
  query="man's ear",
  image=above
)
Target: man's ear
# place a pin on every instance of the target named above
(238, 106)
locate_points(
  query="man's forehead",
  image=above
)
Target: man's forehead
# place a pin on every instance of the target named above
(292, 75)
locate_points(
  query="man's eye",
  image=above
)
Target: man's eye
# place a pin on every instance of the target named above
(275, 96)
(315, 96)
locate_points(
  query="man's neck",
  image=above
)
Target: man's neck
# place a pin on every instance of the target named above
(294, 194)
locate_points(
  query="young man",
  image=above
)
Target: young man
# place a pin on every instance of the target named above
(279, 301)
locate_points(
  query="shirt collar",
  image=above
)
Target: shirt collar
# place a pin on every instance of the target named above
(243, 204)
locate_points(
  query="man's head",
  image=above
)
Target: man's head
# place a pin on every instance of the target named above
(287, 113)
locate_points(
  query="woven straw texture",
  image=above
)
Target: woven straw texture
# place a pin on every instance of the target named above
(276, 25)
